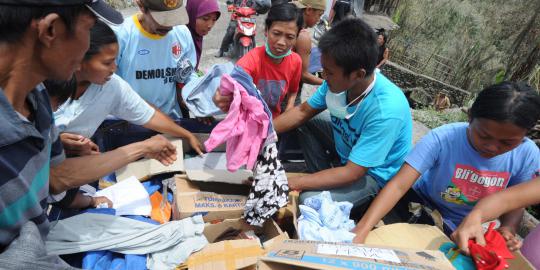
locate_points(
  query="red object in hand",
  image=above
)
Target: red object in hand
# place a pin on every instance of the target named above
(493, 255)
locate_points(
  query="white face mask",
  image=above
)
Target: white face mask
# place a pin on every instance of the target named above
(337, 104)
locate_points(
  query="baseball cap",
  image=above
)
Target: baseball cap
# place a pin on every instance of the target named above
(101, 9)
(316, 4)
(167, 12)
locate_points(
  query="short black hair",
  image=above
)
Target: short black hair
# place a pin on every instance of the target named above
(61, 90)
(514, 102)
(352, 44)
(286, 12)
(100, 35)
(14, 20)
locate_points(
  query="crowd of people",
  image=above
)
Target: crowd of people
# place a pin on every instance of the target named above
(67, 65)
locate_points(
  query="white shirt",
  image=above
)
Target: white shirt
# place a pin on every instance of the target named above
(84, 115)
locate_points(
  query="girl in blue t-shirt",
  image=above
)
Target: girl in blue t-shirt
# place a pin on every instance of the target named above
(457, 164)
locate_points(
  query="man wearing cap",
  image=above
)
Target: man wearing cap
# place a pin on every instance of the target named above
(157, 53)
(312, 10)
(42, 39)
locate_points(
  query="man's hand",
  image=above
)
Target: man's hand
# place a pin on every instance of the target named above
(470, 228)
(512, 242)
(222, 102)
(196, 144)
(95, 201)
(294, 183)
(159, 148)
(78, 145)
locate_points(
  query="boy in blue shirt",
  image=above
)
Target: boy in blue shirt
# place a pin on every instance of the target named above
(157, 52)
(371, 124)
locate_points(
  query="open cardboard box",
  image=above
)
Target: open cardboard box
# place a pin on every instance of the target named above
(419, 236)
(234, 254)
(213, 200)
(298, 254)
(146, 168)
(218, 201)
(408, 236)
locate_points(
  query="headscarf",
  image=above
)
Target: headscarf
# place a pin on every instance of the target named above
(196, 9)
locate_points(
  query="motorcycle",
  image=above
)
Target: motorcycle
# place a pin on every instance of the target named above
(246, 29)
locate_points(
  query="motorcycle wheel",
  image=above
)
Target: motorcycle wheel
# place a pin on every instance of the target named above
(243, 50)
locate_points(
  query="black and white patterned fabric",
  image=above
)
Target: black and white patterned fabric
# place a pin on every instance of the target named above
(270, 189)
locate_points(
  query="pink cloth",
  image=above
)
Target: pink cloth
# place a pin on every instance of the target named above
(244, 129)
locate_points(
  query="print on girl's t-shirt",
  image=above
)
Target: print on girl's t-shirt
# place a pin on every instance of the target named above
(469, 184)
(272, 91)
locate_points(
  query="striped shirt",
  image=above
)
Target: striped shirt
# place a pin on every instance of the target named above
(27, 150)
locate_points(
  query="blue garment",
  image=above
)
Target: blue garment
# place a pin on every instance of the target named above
(198, 93)
(112, 260)
(104, 260)
(322, 219)
(454, 176)
(315, 60)
(27, 150)
(458, 260)
(153, 64)
(379, 135)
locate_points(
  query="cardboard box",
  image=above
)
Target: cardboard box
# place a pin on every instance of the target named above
(217, 201)
(214, 201)
(298, 254)
(212, 167)
(418, 236)
(146, 168)
(234, 254)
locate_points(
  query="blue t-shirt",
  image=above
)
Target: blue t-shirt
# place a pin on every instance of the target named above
(149, 63)
(379, 135)
(454, 176)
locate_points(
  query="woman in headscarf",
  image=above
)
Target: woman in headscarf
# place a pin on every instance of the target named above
(203, 14)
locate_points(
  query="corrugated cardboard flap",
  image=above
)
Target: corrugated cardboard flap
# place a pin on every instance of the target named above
(190, 199)
(320, 255)
(145, 168)
(403, 235)
(231, 254)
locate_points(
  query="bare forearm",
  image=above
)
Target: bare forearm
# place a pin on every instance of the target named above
(77, 171)
(294, 118)
(513, 198)
(387, 199)
(290, 101)
(329, 178)
(164, 124)
(311, 79)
